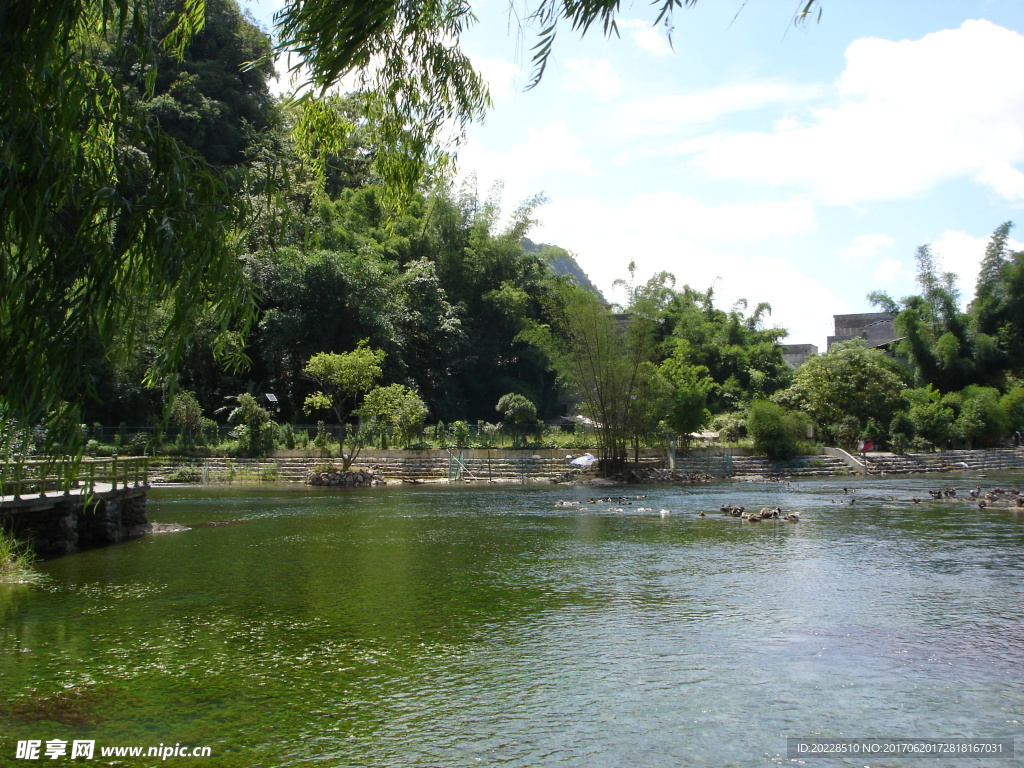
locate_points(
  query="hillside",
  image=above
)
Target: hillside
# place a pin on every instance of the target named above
(561, 262)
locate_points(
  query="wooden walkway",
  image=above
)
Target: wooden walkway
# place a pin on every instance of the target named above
(40, 483)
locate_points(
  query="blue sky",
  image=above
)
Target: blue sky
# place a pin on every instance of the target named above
(801, 167)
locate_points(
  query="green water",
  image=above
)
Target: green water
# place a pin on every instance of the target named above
(453, 626)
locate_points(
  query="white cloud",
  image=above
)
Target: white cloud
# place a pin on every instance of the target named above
(668, 114)
(1005, 180)
(865, 248)
(892, 273)
(647, 37)
(909, 116)
(596, 76)
(504, 78)
(687, 216)
(684, 236)
(550, 147)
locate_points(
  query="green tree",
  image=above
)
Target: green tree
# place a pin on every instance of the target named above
(517, 411)
(1013, 405)
(951, 349)
(187, 414)
(256, 430)
(398, 407)
(849, 381)
(343, 380)
(742, 356)
(982, 415)
(932, 419)
(654, 401)
(104, 214)
(690, 386)
(212, 100)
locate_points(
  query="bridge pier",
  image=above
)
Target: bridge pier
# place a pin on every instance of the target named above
(60, 525)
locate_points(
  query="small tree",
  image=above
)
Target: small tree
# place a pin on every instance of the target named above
(398, 407)
(187, 414)
(691, 385)
(256, 431)
(517, 411)
(343, 379)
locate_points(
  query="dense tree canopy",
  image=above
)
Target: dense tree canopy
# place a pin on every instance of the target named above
(168, 206)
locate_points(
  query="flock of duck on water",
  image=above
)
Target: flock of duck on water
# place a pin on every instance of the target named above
(765, 514)
(1011, 497)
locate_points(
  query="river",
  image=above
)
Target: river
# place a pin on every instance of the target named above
(465, 626)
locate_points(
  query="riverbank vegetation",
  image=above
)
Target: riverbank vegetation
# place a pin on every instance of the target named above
(237, 273)
(16, 559)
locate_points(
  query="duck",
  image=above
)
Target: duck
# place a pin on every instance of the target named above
(976, 492)
(666, 512)
(701, 514)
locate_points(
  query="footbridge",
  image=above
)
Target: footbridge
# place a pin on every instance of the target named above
(64, 504)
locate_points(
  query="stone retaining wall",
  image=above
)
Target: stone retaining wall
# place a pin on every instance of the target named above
(548, 465)
(68, 525)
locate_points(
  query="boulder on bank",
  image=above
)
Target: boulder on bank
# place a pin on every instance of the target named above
(336, 476)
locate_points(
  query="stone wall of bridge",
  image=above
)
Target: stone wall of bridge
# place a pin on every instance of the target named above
(64, 524)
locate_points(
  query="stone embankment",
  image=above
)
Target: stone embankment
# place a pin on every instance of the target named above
(394, 466)
(757, 467)
(552, 466)
(945, 461)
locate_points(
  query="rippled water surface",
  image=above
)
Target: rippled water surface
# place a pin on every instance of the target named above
(454, 626)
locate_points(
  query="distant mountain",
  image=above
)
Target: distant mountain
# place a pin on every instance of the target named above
(561, 262)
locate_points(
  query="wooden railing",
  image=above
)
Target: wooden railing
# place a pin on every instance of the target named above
(20, 477)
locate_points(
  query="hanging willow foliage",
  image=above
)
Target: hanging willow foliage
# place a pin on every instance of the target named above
(418, 88)
(103, 217)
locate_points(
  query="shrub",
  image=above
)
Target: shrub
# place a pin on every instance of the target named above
(185, 475)
(288, 436)
(776, 431)
(460, 433)
(136, 444)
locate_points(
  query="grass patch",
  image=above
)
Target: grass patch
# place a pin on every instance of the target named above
(16, 561)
